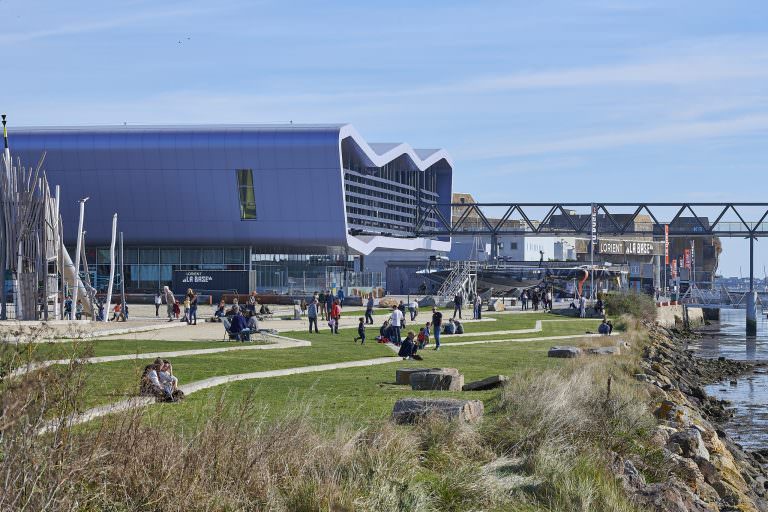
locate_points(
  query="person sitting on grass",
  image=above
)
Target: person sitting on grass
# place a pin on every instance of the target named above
(360, 331)
(253, 323)
(604, 328)
(264, 310)
(610, 327)
(166, 377)
(450, 327)
(239, 326)
(220, 311)
(459, 326)
(408, 347)
(384, 331)
(423, 337)
(150, 382)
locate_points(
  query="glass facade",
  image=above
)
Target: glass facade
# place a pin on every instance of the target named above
(387, 200)
(148, 269)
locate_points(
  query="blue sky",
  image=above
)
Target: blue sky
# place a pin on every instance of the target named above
(536, 101)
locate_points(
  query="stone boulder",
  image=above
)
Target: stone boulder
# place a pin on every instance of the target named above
(690, 443)
(403, 375)
(603, 351)
(388, 302)
(427, 302)
(411, 410)
(444, 379)
(496, 305)
(566, 352)
(495, 381)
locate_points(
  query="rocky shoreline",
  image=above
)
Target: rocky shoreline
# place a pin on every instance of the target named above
(710, 471)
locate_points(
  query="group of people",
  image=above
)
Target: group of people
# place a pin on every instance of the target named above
(580, 304)
(328, 308)
(531, 299)
(68, 309)
(173, 307)
(158, 380)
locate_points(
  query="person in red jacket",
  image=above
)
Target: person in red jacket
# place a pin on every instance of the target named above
(335, 316)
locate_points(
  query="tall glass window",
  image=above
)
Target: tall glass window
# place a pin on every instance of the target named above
(246, 194)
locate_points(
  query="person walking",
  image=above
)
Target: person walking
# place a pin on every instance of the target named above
(369, 310)
(437, 322)
(524, 300)
(158, 303)
(458, 302)
(312, 315)
(396, 321)
(582, 307)
(549, 299)
(360, 331)
(170, 300)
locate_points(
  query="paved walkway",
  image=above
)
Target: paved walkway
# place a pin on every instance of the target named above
(193, 387)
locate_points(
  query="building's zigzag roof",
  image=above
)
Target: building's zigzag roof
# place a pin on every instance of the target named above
(380, 154)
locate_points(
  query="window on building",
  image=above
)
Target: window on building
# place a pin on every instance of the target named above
(513, 246)
(246, 194)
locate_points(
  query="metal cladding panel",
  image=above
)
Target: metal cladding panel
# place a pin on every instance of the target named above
(177, 186)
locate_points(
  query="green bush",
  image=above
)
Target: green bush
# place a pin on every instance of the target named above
(637, 305)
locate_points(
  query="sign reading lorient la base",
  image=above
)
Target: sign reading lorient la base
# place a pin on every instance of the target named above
(629, 247)
(210, 280)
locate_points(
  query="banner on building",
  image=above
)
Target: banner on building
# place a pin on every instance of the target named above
(210, 281)
(673, 268)
(666, 244)
(686, 258)
(594, 224)
(629, 247)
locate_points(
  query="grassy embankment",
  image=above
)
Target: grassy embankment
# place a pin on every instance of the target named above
(544, 444)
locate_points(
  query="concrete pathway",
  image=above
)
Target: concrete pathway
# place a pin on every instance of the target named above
(278, 343)
(193, 387)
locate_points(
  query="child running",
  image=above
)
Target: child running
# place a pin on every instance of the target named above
(360, 331)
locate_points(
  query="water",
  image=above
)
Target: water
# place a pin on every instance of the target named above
(749, 396)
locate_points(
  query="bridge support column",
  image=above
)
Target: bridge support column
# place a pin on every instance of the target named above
(752, 295)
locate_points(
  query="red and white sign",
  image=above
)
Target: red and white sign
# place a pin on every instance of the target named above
(687, 258)
(666, 244)
(673, 268)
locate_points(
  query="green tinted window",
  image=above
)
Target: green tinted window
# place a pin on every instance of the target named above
(246, 194)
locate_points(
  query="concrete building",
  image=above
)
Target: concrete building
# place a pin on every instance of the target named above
(286, 206)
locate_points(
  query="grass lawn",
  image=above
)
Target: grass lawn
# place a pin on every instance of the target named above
(108, 382)
(358, 395)
(46, 351)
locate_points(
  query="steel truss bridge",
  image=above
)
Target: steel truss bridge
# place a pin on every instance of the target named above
(745, 220)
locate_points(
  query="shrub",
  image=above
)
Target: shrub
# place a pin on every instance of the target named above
(638, 305)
